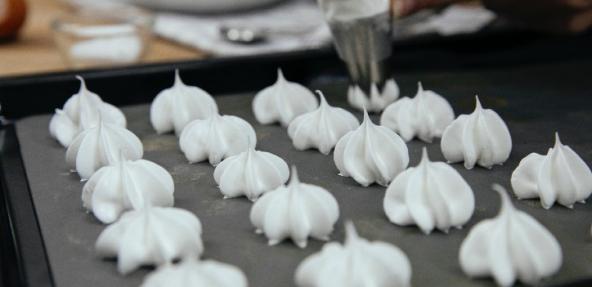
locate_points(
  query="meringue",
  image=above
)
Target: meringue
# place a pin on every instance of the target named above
(377, 101)
(479, 138)
(192, 272)
(151, 236)
(431, 195)
(321, 128)
(425, 116)
(99, 146)
(282, 102)
(371, 154)
(357, 262)
(127, 185)
(559, 176)
(295, 211)
(216, 138)
(512, 246)
(81, 111)
(175, 107)
(250, 173)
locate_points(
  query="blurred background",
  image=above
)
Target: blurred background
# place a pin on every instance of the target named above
(38, 36)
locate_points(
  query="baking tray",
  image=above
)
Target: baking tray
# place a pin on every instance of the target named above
(47, 238)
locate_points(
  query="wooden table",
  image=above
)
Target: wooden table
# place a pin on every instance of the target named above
(35, 52)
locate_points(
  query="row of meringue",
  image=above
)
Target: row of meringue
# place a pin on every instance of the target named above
(483, 138)
(228, 142)
(507, 256)
(93, 132)
(109, 156)
(203, 133)
(81, 111)
(434, 195)
(102, 150)
(382, 263)
(159, 236)
(480, 138)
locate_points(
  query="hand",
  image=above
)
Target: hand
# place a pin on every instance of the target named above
(570, 16)
(553, 15)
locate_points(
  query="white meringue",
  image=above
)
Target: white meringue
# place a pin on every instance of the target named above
(192, 272)
(321, 128)
(251, 173)
(559, 176)
(431, 195)
(81, 111)
(175, 107)
(512, 246)
(295, 211)
(216, 138)
(377, 101)
(127, 185)
(479, 138)
(425, 116)
(282, 102)
(151, 236)
(371, 154)
(99, 146)
(357, 262)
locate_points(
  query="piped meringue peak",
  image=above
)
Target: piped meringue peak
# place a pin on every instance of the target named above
(512, 246)
(321, 128)
(355, 263)
(559, 176)
(127, 185)
(175, 107)
(377, 100)
(426, 116)
(282, 102)
(100, 145)
(251, 173)
(193, 272)
(81, 111)
(151, 236)
(371, 154)
(296, 211)
(216, 138)
(479, 138)
(431, 195)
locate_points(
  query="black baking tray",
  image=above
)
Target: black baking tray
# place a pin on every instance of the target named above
(512, 61)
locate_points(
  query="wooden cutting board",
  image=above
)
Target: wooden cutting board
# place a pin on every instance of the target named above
(35, 52)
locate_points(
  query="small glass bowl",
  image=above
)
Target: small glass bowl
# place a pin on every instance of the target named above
(101, 35)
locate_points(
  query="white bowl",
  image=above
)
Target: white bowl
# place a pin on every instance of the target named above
(202, 6)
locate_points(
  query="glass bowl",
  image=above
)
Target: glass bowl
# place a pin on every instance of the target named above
(99, 35)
